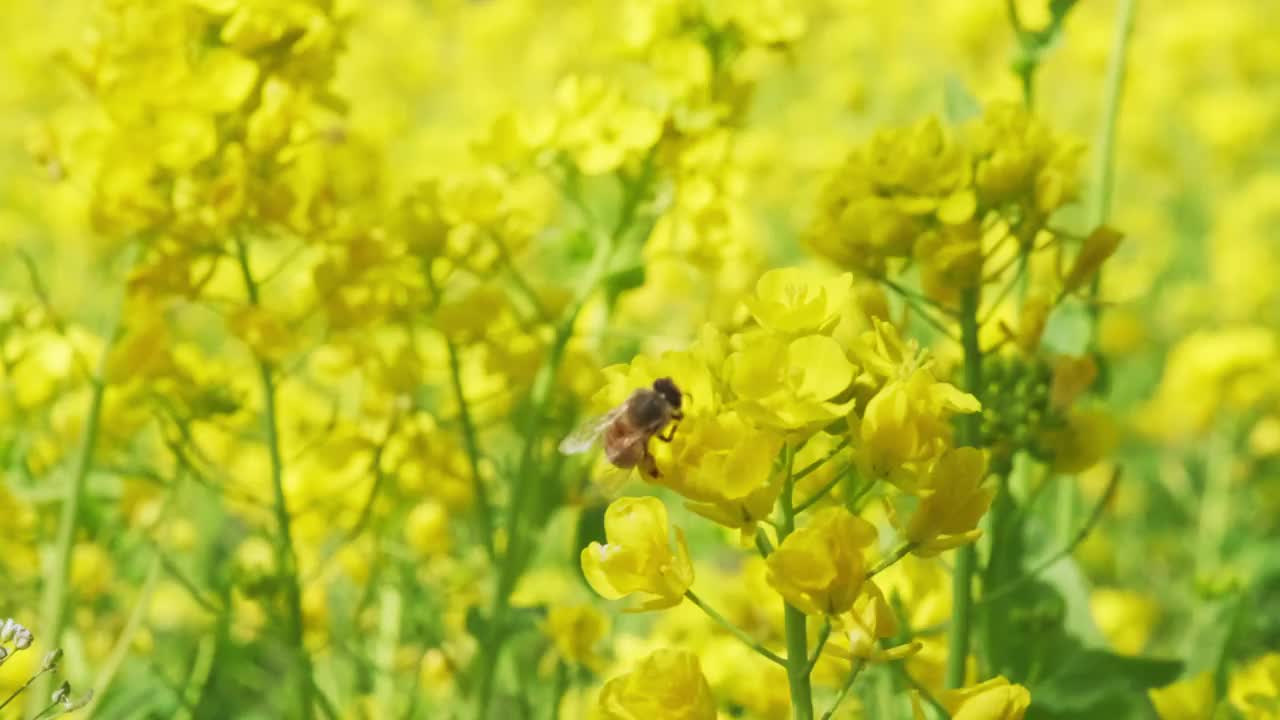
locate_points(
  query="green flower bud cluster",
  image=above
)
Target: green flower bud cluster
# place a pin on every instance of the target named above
(1016, 405)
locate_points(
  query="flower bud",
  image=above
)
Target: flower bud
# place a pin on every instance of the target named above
(71, 703)
(63, 693)
(51, 659)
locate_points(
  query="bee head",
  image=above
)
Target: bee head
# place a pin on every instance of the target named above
(668, 390)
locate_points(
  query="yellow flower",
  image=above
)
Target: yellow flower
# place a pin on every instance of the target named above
(792, 300)
(1208, 372)
(92, 570)
(639, 556)
(869, 621)
(1017, 154)
(1188, 699)
(576, 630)
(791, 384)
(908, 424)
(819, 569)
(725, 467)
(875, 207)
(1125, 617)
(952, 501)
(222, 80)
(426, 529)
(1254, 690)
(667, 684)
(994, 699)
(601, 129)
(950, 261)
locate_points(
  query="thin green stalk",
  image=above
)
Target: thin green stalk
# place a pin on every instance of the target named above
(969, 429)
(120, 650)
(483, 505)
(286, 555)
(512, 558)
(55, 598)
(1083, 532)
(1105, 169)
(844, 690)
(484, 509)
(485, 666)
(823, 636)
(817, 464)
(198, 680)
(734, 630)
(817, 496)
(559, 687)
(794, 620)
(23, 688)
(898, 553)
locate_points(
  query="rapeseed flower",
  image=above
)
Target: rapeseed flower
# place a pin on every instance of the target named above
(639, 556)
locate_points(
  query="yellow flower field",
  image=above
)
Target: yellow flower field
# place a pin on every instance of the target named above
(650, 359)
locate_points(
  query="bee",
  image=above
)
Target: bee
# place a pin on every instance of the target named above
(625, 430)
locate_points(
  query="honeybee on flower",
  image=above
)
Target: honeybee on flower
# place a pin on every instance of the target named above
(625, 430)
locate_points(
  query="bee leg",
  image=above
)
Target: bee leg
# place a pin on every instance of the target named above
(649, 465)
(671, 434)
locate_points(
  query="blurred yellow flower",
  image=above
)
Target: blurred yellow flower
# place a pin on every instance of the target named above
(1125, 617)
(1254, 690)
(1188, 699)
(576, 632)
(994, 699)
(426, 529)
(667, 684)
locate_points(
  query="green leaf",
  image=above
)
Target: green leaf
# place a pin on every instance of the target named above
(1084, 682)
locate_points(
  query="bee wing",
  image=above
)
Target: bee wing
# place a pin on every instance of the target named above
(588, 433)
(608, 485)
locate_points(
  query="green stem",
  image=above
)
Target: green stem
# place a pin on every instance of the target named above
(286, 555)
(120, 650)
(734, 630)
(22, 688)
(55, 600)
(817, 496)
(969, 429)
(817, 464)
(898, 553)
(511, 564)
(844, 689)
(484, 510)
(823, 636)
(794, 620)
(1113, 91)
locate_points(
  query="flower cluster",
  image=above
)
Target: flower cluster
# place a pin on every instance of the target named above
(787, 386)
(303, 295)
